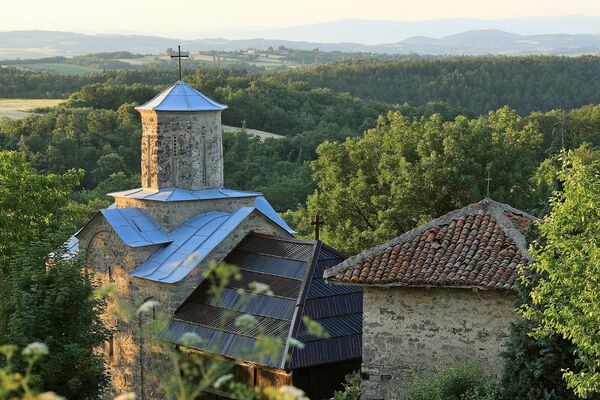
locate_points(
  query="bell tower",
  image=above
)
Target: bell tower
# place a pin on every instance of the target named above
(182, 143)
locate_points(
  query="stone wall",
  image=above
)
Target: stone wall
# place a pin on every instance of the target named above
(111, 261)
(181, 149)
(410, 332)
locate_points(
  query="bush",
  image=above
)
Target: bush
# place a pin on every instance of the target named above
(461, 383)
(352, 388)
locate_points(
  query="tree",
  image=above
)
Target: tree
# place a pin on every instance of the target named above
(408, 171)
(533, 368)
(32, 206)
(42, 298)
(55, 304)
(568, 262)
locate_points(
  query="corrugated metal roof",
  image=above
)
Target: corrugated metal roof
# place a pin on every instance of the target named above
(181, 97)
(291, 269)
(191, 243)
(134, 226)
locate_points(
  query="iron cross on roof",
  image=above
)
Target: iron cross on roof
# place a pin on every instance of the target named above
(488, 179)
(179, 57)
(317, 223)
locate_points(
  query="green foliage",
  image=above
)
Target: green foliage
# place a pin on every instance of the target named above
(533, 367)
(477, 84)
(461, 383)
(54, 303)
(408, 171)
(566, 299)
(41, 298)
(99, 141)
(15, 385)
(32, 207)
(110, 95)
(352, 388)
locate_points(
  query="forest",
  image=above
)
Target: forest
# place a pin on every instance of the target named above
(375, 148)
(473, 84)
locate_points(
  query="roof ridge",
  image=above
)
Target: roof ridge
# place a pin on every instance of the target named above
(282, 239)
(296, 321)
(497, 211)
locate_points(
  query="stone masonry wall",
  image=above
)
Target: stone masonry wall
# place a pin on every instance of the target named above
(410, 332)
(111, 262)
(182, 149)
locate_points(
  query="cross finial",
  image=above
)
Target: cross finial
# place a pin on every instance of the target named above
(179, 57)
(317, 223)
(488, 179)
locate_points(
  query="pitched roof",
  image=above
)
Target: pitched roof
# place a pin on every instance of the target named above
(479, 246)
(134, 226)
(176, 194)
(293, 270)
(185, 247)
(181, 97)
(190, 243)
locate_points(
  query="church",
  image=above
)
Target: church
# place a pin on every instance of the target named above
(159, 242)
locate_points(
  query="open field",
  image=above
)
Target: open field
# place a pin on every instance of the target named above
(60, 68)
(19, 108)
(262, 134)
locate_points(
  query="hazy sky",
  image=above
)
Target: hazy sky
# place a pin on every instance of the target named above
(192, 18)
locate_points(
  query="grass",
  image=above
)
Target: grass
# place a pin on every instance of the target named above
(20, 108)
(60, 68)
(261, 134)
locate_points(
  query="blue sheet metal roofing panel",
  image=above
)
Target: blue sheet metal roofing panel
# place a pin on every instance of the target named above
(176, 194)
(191, 243)
(134, 226)
(168, 195)
(264, 207)
(181, 97)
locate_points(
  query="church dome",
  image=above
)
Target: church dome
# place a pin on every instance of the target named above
(181, 97)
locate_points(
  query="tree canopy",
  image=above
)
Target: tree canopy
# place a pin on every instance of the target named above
(406, 171)
(568, 261)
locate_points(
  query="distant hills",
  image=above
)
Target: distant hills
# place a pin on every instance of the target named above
(373, 32)
(37, 44)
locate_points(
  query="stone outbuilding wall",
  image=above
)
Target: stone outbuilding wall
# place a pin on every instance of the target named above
(410, 332)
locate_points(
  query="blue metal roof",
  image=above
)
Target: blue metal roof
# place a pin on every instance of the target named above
(176, 194)
(134, 226)
(191, 243)
(264, 207)
(181, 97)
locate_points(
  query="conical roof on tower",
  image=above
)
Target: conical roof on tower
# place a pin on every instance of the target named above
(181, 97)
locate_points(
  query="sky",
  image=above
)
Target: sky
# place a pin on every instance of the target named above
(196, 18)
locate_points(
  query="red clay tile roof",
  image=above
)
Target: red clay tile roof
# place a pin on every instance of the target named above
(479, 246)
